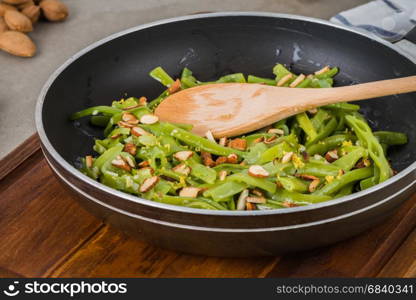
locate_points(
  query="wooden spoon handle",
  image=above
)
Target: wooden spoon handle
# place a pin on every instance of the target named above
(369, 90)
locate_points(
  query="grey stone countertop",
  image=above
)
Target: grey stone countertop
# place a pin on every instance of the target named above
(21, 79)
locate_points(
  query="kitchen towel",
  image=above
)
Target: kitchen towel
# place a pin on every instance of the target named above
(388, 19)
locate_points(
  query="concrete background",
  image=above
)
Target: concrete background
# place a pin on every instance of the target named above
(22, 79)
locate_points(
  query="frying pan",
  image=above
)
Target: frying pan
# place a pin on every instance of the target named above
(212, 45)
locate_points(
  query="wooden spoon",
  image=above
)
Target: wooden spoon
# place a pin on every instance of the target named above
(230, 109)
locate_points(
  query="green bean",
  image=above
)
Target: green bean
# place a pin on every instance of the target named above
(253, 181)
(260, 80)
(348, 161)
(95, 111)
(326, 131)
(306, 124)
(294, 197)
(293, 184)
(160, 75)
(391, 138)
(328, 143)
(238, 77)
(100, 121)
(225, 190)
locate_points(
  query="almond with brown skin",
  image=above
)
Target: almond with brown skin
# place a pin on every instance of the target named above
(18, 21)
(26, 4)
(32, 12)
(3, 25)
(54, 10)
(239, 144)
(17, 43)
(5, 7)
(148, 184)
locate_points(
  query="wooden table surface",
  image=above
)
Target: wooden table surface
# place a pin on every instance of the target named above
(45, 233)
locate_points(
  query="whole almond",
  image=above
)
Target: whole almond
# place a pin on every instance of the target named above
(17, 43)
(54, 10)
(32, 12)
(3, 25)
(5, 7)
(26, 4)
(18, 21)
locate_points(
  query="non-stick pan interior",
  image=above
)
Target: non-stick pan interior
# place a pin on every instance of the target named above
(214, 46)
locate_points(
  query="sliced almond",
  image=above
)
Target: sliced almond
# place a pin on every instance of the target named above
(149, 119)
(307, 177)
(175, 87)
(191, 192)
(260, 200)
(138, 131)
(284, 79)
(207, 159)
(251, 206)
(270, 139)
(276, 131)
(125, 124)
(182, 169)
(287, 157)
(222, 175)
(288, 204)
(129, 161)
(257, 193)
(144, 164)
(297, 81)
(332, 155)
(210, 136)
(239, 144)
(258, 140)
(114, 136)
(119, 162)
(221, 160)
(223, 141)
(143, 101)
(148, 184)
(130, 148)
(241, 202)
(313, 185)
(129, 118)
(183, 155)
(258, 171)
(323, 70)
(232, 158)
(88, 161)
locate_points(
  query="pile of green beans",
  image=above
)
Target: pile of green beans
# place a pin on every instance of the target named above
(315, 156)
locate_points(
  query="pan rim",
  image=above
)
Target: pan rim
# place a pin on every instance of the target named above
(66, 165)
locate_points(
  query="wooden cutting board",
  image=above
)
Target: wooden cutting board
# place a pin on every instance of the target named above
(45, 233)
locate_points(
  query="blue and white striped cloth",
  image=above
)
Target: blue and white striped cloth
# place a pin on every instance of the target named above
(388, 19)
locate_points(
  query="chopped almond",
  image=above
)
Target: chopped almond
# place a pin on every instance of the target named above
(270, 139)
(223, 141)
(323, 70)
(288, 204)
(257, 193)
(313, 185)
(297, 81)
(191, 192)
(340, 173)
(243, 163)
(174, 87)
(287, 157)
(138, 131)
(366, 162)
(88, 161)
(257, 171)
(276, 131)
(221, 160)
(125, 124)
(284, 79)
(129, 118)
(143, 101)
(119, 162)
(182, 169)
(239, 144)
(260, 200)
(210, 136)
(251, 206)
(232, 158)
(149, 119)
(331, 156)
(144, 164)
(148, 184)
(129, 161)
(313, 111)
(130, 148)
(222, 175)
(207, 159)
(183, 155)
(307, 177)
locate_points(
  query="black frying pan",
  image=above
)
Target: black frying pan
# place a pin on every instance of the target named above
(212, 45)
